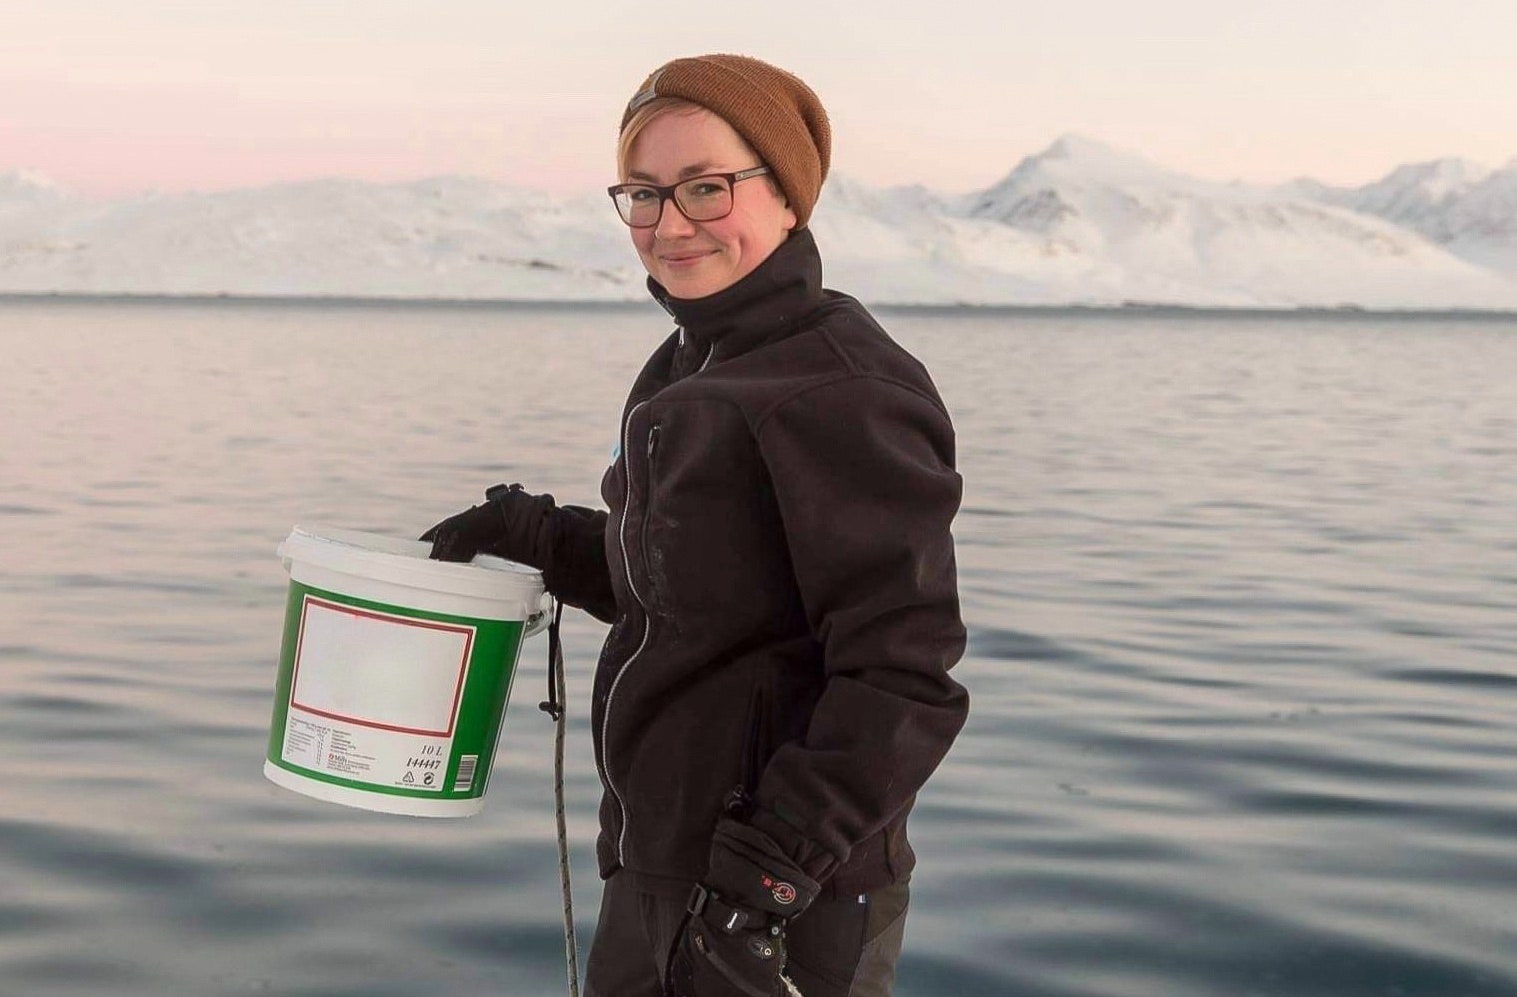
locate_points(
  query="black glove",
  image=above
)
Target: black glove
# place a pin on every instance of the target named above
(733, 942)
(509, 523)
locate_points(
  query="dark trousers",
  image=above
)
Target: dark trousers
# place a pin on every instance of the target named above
(845, 947)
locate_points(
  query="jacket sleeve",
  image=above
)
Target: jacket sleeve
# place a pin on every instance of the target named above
(863, 472)
(568, 545)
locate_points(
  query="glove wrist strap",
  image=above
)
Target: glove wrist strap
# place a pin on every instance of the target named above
(728, 917)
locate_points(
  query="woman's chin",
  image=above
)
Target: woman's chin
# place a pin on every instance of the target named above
(686, 284)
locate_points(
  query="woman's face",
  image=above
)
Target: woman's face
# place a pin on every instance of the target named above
(694, 259)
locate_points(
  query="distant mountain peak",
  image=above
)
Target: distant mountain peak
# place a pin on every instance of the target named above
(1308, 187)
(1074, 145)
(29, 184)
(1453, 202)
(1076, 154)
(1079, 159)
(1436, 179)
(1074, 176)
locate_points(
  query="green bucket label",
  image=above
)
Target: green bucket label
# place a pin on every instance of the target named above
(390, 699)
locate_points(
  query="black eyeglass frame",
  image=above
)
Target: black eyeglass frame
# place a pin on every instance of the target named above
(666, 193)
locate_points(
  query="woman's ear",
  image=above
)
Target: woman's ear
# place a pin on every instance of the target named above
(789, 216)
(787, 219)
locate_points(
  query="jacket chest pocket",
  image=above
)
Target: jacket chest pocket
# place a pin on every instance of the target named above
(650, 553)
(756, 742)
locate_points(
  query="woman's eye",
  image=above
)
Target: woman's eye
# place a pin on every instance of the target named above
(641, 194)
(704, 189)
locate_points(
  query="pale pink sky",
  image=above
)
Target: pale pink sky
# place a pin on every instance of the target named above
(110, 98)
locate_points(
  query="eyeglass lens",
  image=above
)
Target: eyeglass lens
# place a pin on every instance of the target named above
(702, 199)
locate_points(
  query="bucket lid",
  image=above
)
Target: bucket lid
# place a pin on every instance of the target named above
(407, 562)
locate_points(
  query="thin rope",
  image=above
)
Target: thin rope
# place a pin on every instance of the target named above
(554, 706)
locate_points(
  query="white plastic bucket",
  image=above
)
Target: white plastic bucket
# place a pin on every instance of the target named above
(395, 671)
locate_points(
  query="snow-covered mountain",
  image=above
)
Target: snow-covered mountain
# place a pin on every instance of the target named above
(1460, 205)
(1079, 222)
(446, 237)
(1082, 222)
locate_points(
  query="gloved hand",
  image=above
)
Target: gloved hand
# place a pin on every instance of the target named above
(733, 942)
(509, 523)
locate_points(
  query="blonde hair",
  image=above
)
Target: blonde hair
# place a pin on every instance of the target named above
(657, 108)
(642, 118)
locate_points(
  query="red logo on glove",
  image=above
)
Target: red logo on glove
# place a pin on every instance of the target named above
(783, 893)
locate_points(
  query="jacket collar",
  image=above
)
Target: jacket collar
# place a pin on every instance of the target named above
(762, 306)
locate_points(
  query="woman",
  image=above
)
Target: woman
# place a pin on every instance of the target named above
(776, 566)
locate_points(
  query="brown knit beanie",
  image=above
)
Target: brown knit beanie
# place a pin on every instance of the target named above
(773, 110)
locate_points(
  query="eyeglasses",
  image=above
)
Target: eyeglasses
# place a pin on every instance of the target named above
(701, 199)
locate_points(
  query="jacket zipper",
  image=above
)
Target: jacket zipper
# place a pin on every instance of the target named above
(621, 533)
(605, 720)
(642, 547)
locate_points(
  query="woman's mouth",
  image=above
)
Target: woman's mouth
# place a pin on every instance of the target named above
(678, 260)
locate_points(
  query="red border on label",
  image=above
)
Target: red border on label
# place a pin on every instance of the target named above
(458, 688)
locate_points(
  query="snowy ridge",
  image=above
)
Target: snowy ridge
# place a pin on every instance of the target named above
(1084, 223)
(1460, 205)
(456, 237)
(1079, 223)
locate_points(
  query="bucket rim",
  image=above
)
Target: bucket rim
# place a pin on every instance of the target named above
(379, 557)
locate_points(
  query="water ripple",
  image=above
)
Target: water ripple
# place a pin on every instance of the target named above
(1495, 681)
(1238, 593)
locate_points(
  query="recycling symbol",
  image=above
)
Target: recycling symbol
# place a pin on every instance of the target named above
(410, 778)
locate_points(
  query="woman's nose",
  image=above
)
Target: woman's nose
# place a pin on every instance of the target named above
(672, 223)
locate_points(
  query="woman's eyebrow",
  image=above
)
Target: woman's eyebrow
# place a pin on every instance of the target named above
(693, 170)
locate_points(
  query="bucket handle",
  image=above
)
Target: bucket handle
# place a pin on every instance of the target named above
(536, 624)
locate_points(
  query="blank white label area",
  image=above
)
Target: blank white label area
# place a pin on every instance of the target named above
(378, 670)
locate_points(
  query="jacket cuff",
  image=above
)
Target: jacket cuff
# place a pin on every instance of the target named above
(794, 844)
(750, 869)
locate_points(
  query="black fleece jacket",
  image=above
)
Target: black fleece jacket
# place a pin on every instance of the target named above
(777, 567)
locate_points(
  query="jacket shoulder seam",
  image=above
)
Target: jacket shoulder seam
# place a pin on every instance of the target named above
(834, 379)
(837, 348)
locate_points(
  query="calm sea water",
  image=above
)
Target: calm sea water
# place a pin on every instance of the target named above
(1240, 594)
